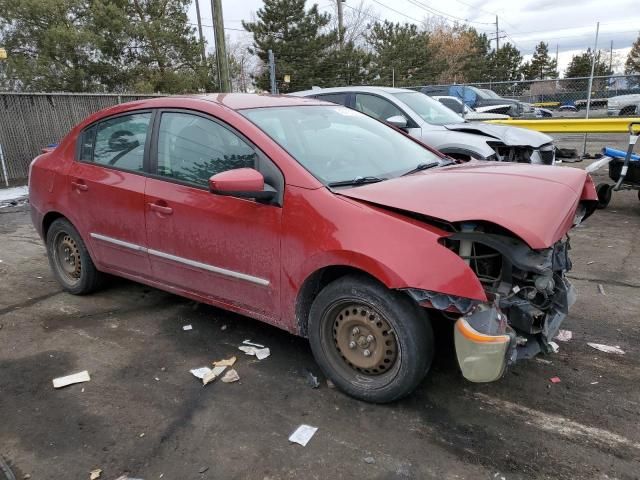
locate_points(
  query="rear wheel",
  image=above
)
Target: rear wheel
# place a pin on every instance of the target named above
(70, 260)
(604, 195)
(373, 343)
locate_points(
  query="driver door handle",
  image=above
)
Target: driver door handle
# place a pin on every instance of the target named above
(161, 209)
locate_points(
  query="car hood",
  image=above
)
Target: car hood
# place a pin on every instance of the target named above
(510, 136)
(536, 203)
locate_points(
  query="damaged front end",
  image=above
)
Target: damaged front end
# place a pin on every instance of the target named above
(528, 298)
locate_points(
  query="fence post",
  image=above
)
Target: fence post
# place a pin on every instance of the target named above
(4, 167)
(593, 65)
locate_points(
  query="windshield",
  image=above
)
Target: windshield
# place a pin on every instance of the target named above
(430, 110)
(338, 144)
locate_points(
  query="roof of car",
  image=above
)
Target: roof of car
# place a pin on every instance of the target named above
(239, 101)
(352, 88)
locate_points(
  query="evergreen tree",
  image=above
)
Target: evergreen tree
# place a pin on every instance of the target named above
(476, 64)
(632, 65)
(541, 66)
(299, 43)
(401, 53)
(580, 66)
(505, 63)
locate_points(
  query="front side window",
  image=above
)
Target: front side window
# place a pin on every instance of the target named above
(118, 142)
(377, 107)
(336, 143)
(430, 110)
(192, 148)
(339, 98)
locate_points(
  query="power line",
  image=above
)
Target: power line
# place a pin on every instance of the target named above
(397, 11)
(441, 14)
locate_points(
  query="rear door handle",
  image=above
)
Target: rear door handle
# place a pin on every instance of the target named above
(80, 186)
(161, 209)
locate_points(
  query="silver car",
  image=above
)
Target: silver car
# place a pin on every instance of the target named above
(437, 126)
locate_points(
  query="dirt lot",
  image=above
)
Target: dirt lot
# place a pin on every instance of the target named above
(143, 413)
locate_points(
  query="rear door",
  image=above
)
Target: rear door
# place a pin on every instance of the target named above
(106, 184)
(221, 247)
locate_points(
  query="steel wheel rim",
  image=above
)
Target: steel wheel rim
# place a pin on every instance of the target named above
(67, 257)
(362, 338)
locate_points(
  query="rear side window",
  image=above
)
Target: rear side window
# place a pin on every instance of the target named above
(377, 107)
(339, 98)
(193, 148)
(117, 142)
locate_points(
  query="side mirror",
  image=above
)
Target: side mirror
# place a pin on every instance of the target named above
(397, 121)
(243, 183)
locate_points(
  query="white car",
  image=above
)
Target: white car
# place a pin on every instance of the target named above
(434, 124)
(468, 113)
(624, 105)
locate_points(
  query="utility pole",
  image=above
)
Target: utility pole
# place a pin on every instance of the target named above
(611, 58)
(556, 56)
(272, 72)
(497, 36)
(221, 48)
(203, 52)
(340, 23)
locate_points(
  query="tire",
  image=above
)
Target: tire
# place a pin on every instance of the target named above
(395, 331)
(69, 259)
(603, 191)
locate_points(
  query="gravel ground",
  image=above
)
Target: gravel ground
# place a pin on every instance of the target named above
(143, 413)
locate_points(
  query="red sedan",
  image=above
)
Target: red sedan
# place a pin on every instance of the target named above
(319, 220)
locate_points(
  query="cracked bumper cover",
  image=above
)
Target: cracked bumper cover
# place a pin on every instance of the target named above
(486, 344)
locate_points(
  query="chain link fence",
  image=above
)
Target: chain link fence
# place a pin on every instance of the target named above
(568, 92)
(31, 121)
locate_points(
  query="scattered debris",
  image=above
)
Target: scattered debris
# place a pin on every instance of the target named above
(607, 348)
(591, 262)
(200, 372)
(94, 474)
(6, 469)
(71, 379)
(203, 469)
(554, 379)
(212, 375)
(593, 383)
(542, 360)
(330, 384)
(187, 327)
(141, 435)
(554, 346)
(156, 379)
(126, 477)
(564, 335)
(369, 460)
(303, 434)
(312, 380)
(260, 353)
(249, 342)
(223, 328)
(227, 362)
(601, 289)
(231, 376)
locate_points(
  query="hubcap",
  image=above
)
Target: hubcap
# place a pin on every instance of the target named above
(68, 257)
(364, 339)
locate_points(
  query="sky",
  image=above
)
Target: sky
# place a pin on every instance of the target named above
(568, 24)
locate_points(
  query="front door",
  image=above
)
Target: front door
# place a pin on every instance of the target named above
(107, 185)
(224, 248)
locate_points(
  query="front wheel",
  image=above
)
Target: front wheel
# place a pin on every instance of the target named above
(373, 343)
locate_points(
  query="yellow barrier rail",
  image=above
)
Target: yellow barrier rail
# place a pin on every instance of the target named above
(546, 104)
(572, 125)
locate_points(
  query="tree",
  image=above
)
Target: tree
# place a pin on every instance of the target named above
(580, 66)
(299, 41)
(541, 66)
(401, 54)
(98, 45)
(459, 53)
(49, 43)
(505, 64)
(632, 65)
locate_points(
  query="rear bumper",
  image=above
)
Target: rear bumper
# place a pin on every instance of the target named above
(36, 219)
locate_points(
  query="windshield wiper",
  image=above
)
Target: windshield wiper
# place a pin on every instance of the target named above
(356, 181)
(422, 166)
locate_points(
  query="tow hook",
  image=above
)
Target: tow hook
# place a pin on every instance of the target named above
(485, 343)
